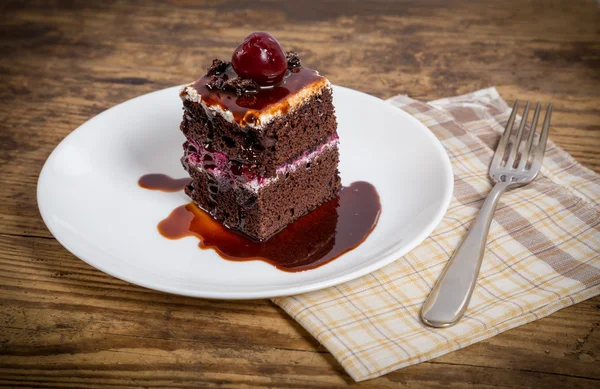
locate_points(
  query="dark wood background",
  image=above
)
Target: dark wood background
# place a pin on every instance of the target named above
(65, 324)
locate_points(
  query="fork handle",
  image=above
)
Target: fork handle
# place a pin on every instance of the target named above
(450, 296)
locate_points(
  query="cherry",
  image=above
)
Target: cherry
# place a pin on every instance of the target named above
(260, 58)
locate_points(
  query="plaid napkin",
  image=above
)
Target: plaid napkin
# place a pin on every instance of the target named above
(543, 252)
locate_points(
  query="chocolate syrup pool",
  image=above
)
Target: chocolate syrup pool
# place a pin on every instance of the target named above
(315, 239)
(163, 182)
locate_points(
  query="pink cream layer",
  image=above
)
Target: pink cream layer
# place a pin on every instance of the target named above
(218, 164)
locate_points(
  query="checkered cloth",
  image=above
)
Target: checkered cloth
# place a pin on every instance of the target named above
(543, 252)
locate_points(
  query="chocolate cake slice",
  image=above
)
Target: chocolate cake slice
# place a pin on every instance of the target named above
(261, 151)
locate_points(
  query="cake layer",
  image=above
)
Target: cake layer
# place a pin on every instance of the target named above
(260, 209)
(285, 136)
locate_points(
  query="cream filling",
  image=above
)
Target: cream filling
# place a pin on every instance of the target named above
(289, 167)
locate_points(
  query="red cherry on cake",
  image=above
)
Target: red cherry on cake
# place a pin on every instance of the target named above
(260, 58)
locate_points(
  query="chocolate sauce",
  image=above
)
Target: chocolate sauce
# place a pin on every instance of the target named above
(315, 239)
(244, 108)
(163, 182)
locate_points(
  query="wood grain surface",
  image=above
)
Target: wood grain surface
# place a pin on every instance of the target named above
(65, 324)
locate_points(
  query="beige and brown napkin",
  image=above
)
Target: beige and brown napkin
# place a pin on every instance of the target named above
(543, 252)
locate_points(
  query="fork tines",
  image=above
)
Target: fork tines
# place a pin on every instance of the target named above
(515, 154)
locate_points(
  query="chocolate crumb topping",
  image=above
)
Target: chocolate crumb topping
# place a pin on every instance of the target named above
(293, 60)
(242, 86)
(216, 83)
(217, 67)
(221, 81)
(238, 85)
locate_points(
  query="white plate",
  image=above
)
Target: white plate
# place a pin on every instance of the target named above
(90, 200)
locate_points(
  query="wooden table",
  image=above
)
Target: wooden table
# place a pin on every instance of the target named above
(65, 324)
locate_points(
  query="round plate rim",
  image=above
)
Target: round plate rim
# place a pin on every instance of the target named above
(235, 295)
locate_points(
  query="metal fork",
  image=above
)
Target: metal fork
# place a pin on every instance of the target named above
(515, 163)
